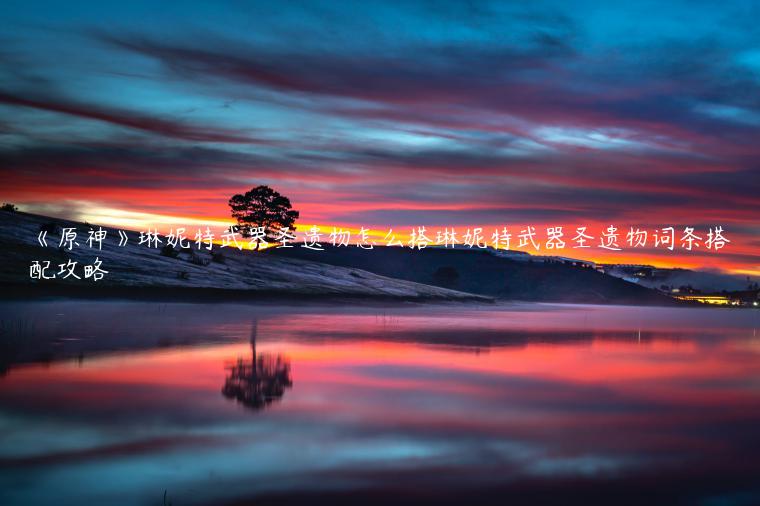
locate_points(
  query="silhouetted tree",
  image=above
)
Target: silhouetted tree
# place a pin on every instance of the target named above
(9, 207)
(262, 207)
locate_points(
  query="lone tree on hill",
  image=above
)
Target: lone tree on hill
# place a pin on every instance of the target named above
(262, 208)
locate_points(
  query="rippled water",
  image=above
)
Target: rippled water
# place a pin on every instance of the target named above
(120, 402)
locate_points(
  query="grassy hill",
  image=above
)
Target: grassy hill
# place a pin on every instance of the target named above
(138, 270)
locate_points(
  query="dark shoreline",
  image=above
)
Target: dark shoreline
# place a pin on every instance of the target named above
(25, 292)
(210, 295)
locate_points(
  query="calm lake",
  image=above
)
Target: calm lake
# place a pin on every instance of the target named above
(150, 403)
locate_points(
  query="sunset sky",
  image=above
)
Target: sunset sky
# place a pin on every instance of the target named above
(457, 114)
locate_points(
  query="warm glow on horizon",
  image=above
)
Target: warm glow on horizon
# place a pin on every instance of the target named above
(164, 223)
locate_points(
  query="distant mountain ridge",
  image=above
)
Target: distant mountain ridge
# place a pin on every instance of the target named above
(482, 272)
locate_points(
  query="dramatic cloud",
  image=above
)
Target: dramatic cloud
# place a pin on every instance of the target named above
(435, 114)
(153, 125)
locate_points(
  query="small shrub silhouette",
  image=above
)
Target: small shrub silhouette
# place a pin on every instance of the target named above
(446, 276)
(169, 251)
(197, 259)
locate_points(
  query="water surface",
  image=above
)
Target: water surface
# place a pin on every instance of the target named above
(118, 402)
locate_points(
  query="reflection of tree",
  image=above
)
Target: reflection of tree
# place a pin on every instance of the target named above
(258, 382)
